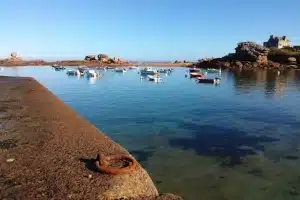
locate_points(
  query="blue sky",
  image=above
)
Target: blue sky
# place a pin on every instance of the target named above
(142, 29)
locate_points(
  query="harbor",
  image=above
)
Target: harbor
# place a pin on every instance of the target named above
(178, 124)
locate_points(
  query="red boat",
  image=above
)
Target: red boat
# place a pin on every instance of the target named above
(195, 70)
(196, 75)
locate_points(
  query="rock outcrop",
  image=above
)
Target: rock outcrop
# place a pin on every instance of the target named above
(13, 57)
(247, 55)
(105, 59)
(179, 61)
(90, 58)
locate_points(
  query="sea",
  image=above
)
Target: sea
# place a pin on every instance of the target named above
(237, 140)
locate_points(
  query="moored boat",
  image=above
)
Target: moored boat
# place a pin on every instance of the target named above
(102, 68)
(58, 67)
(83, 69)
(148, 71)
(209, 80)
(122, 70)
(154, 78)
(133, 67)
(212, 70)
(195, 70)
(196, 75)
(165, 70)
(73, 72)
(92, 73)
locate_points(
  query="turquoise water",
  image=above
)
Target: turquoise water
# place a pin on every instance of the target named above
(238, 140)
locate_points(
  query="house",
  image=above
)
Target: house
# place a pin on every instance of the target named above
(277, 42)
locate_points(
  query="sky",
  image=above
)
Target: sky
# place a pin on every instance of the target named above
(141, 29)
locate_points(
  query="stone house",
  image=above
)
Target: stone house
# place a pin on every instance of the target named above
(277, 42)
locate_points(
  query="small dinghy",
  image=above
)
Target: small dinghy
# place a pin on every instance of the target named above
(209, 80)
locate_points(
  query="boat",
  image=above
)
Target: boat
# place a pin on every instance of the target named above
(195, 70)
(209, 80)
(212, 70)
(102, 68)
(57, 67)
(154, 78)
(122, 70)
(133, 67)
(92, 73)
(165, 70)
(109, 67)
(73, 72)
(148, 71)
(196, 75)
(83, 69)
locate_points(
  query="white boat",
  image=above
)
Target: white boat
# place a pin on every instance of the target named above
(133, 67)
(120, 70)
(92, 73)
(83, 69)
(212, 70)
(165, 70)
(73, 72)
(102, 68)
(148, 71)
(154, 78)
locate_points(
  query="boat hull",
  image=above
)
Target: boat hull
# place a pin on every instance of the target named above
(195, 70)
(209, 80)
(196, 75)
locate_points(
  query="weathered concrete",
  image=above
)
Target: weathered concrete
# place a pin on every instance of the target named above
(46, 150)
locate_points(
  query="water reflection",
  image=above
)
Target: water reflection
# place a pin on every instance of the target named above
(92, 80)
(269, 81)
(231, 144)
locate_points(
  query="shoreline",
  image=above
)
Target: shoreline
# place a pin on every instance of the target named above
(46, 145)
(87, 63)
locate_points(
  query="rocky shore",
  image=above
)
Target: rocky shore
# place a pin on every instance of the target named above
(249, 55)
(47, 151)
(90, 61)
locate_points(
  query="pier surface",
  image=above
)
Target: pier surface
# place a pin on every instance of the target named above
(47, 150)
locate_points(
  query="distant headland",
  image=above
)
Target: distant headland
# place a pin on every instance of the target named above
(89, 60)
(276, 53)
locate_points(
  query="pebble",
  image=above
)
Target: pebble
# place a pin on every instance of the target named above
(10, 160)
(90, 176)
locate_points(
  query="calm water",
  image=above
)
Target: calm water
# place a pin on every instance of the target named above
(238, 140)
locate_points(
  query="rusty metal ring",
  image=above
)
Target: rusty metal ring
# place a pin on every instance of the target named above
(101, 164)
